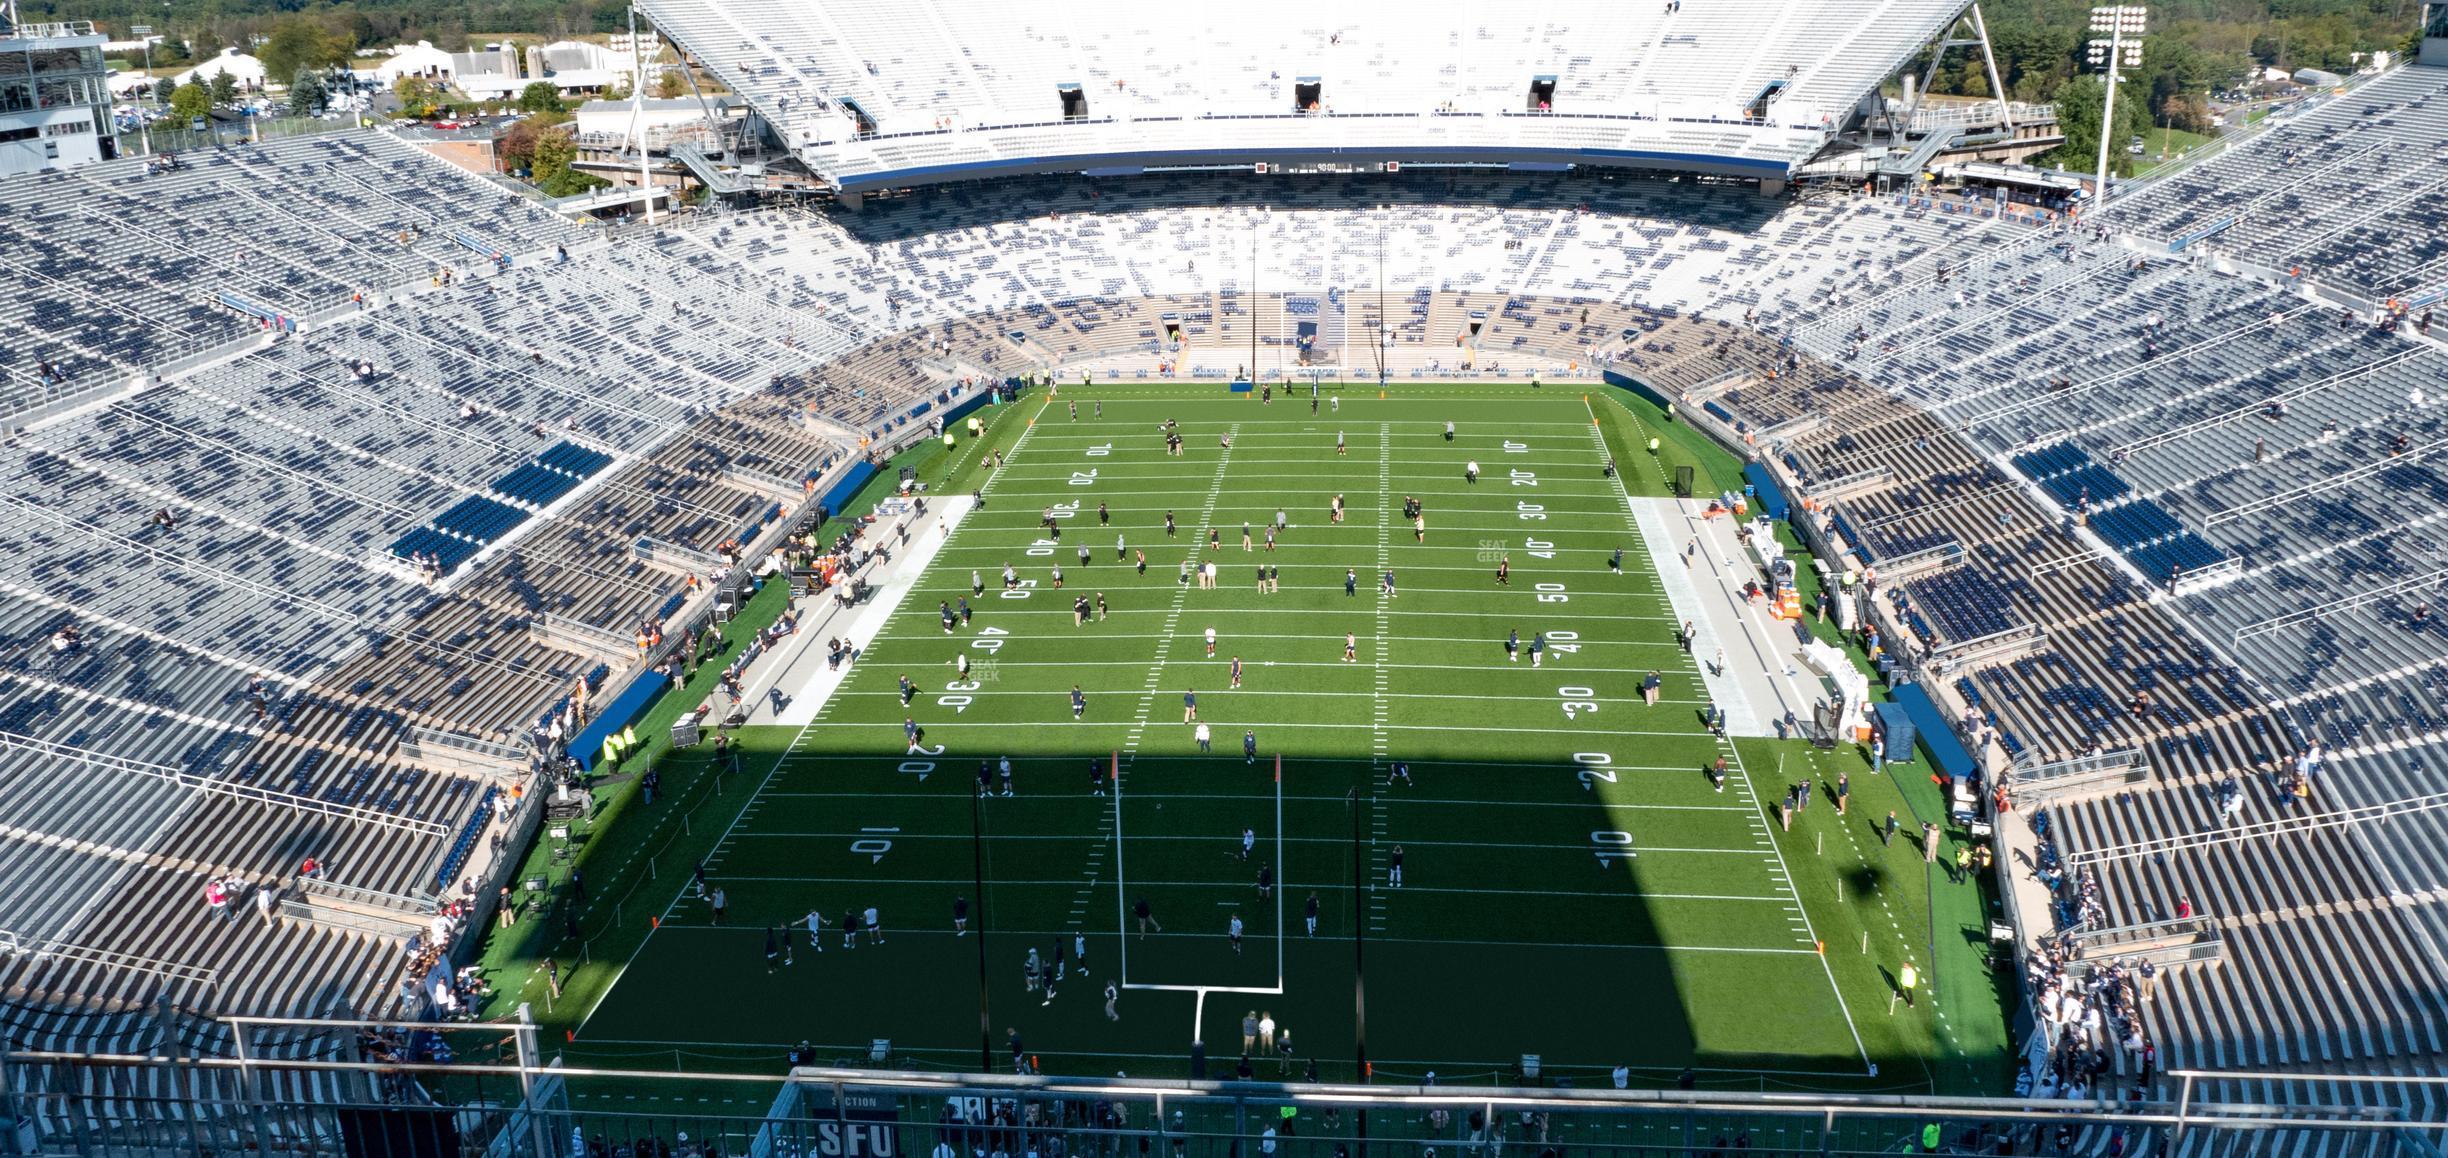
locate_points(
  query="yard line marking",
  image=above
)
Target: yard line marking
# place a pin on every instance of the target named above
(1710, 850)
(1006, 725)
(1128, 753)
(1335, 798)
(1746, 950)
(1554, 617)
(1378, 739)
(1338, 664)
(1424, 425)
(1272, 692)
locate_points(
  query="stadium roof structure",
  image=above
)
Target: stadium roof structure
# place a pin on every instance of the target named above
(879, 93)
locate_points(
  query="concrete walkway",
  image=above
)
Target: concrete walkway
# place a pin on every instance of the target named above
(797, 668)
(1762, 678)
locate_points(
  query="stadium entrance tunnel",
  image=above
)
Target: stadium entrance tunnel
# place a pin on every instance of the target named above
(1074, 101)
(1542, 94)
(1308, 95)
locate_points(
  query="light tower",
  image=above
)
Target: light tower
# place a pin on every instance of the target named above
(2123, 25)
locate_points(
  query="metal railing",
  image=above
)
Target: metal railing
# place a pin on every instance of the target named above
(2385, 592)
(53, 948)
(2341, 818)
(169, 137)
(2120, 767)
(69, 1102)
(16, 741)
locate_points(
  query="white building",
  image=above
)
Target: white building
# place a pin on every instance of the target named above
(491, 73)
(245, 70)
(420, 60)
(130, 85)
(54, 98)
(575, 66)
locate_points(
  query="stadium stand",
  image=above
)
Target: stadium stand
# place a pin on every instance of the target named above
(876, 95)
(2184, 464)
(2204, 425)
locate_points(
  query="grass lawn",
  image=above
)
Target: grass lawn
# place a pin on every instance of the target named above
(2165, 146)
(1574, 887)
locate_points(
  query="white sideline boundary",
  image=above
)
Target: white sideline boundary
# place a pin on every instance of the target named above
(798, 667)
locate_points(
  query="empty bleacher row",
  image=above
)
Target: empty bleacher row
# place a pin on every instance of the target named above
(332, 215)
(2329, 961)
(2347, 190)
(2219, 425)
(2106, 645)
(2195, 419)
(1054, 249)
(869, 88)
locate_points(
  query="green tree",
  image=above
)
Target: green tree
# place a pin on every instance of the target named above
(224, 87)
(192, 100)
(671, 84)
(306, 93)
(554, 151)
(540, 97)
(164, 89)
(300, 43)
(2078, 117)
(418, 97)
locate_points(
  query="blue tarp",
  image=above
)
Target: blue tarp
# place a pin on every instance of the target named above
(1944, 749)
(1764, 487)
(1637, 386)
(587, 746)
(842, 491)
(1243, 387)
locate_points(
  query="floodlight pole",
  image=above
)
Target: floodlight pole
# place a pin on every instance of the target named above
(2112, 20)
(637, 114)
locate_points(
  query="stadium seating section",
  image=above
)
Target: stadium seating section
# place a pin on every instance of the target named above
(2069, 414)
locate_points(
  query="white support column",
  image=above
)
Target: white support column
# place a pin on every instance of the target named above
(1997, 87)
(637, 114)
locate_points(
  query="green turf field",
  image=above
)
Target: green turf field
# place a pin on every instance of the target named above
(1573, 885)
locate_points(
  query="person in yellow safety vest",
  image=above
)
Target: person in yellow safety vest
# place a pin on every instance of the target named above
(1929, 1138)
(611, 751)
(1653, 446)
(949, 440)
(1907, 979)
(628, 737)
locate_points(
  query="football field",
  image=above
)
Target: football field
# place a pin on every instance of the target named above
(1571, 883)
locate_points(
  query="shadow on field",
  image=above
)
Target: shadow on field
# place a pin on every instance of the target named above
(1590, 920)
